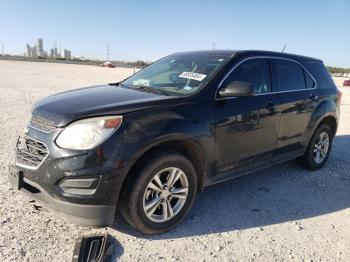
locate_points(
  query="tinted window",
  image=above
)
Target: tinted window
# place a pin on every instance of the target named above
(319, 71)
(288, 75)
(310, 83)
(255, 72)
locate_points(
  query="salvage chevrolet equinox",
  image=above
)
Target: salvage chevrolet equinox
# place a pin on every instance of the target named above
(147, 145)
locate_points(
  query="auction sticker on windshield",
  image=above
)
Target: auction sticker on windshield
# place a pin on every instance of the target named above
(191, 75)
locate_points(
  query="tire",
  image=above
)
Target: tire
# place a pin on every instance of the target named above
(138, 194)
(309, 160)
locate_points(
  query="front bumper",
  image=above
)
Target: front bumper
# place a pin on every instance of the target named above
(83, 214)
(60, 181)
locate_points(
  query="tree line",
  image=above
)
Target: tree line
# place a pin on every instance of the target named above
(335, 70)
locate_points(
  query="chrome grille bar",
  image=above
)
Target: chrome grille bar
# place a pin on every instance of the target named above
(30, 153)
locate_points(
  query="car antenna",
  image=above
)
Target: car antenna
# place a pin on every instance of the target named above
(284, 48)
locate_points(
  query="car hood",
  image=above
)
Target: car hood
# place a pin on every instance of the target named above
(63, 108)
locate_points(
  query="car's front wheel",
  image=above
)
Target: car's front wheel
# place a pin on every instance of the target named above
(161, 194)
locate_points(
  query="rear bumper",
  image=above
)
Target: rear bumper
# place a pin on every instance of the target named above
(83, 214)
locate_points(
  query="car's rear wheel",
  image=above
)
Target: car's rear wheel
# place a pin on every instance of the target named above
(161, 194)
(319, 148)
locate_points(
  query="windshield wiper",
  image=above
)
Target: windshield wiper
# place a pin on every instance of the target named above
(114, 84)
(150, 89)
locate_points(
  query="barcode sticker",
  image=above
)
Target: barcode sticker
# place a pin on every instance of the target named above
(191, 75)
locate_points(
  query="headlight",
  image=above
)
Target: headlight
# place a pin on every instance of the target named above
(88, 133)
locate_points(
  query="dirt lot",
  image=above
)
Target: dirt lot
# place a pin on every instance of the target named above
(283, 213)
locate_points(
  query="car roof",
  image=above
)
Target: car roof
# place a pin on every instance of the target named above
(226, 53)
(250, 53)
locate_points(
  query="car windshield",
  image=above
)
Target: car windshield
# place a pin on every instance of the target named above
(179, 74)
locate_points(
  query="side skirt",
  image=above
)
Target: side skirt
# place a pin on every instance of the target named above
(238, 173)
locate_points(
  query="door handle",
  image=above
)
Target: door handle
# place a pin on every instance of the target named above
(314, 97)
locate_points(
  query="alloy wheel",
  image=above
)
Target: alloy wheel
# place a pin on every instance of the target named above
(321, 147)
(165, 194)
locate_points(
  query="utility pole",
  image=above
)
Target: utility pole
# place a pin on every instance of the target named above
(108, 52)
(54, 50)
(2, 48)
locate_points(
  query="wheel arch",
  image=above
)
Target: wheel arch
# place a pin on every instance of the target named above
(330, 120)
(188, 147)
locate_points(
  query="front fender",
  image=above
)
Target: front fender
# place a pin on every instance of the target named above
(190, 123)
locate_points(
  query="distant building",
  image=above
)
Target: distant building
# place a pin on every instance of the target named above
(66, 54)
(34, 52)
(40, 47)
(29, 51)
(37, 50)
(55, 54)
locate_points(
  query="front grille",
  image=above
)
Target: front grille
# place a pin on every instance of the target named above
(42, 124)
(30, 152)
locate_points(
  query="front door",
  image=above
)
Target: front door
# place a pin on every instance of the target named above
(246, 127)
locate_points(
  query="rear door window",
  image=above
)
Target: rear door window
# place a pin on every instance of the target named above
(288, 75)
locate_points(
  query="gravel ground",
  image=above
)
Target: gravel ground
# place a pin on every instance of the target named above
(283, 213)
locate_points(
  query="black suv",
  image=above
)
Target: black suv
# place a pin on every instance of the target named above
(146, 146)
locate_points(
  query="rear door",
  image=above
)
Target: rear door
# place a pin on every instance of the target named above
(297, 99)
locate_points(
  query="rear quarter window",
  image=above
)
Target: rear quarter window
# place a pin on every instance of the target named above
(310, 83)
(320, 73)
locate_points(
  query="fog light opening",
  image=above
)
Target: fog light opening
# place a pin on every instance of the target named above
(79, 186)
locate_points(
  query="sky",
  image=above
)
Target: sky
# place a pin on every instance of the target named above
(148, 30)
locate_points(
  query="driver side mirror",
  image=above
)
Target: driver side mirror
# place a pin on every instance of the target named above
(237, 88)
